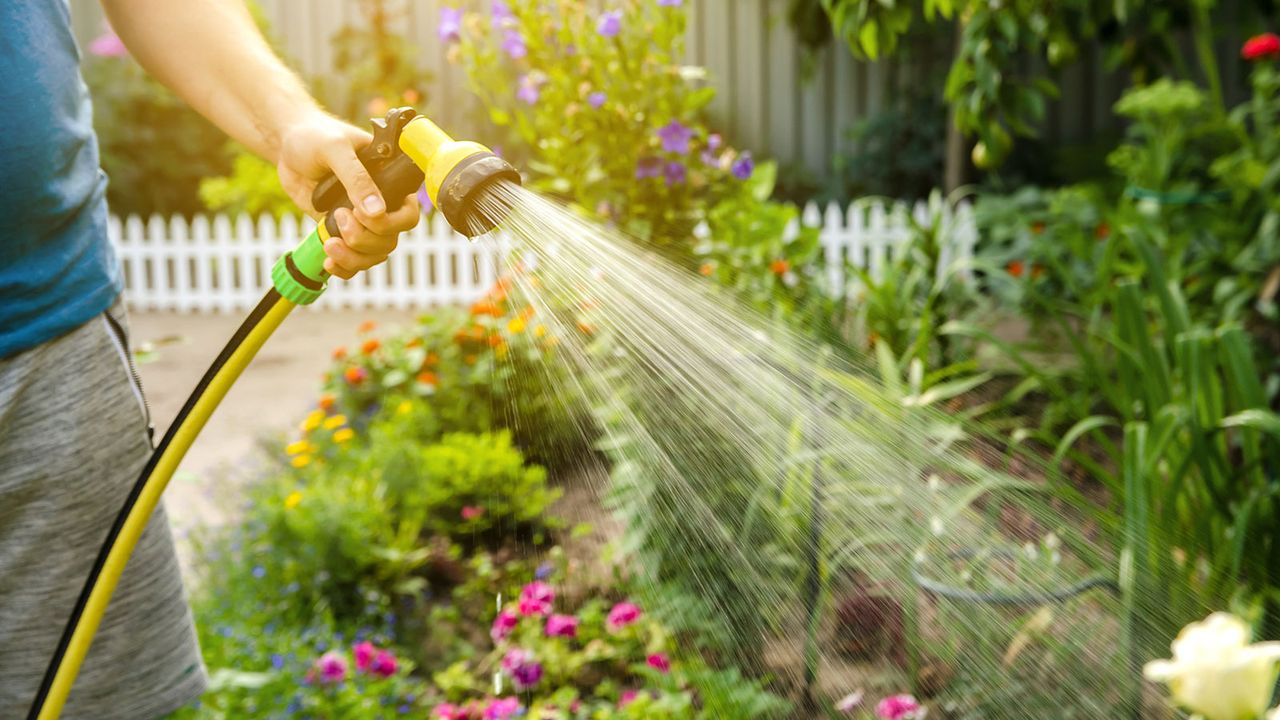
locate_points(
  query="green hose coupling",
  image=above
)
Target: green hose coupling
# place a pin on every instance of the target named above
(299, 275)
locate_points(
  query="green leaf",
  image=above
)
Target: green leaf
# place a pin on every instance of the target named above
(227, 679)
(1255, 419)
(869, 39)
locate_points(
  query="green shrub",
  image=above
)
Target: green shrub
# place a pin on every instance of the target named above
(600, 108)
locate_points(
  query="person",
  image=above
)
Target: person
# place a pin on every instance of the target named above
(73, 422)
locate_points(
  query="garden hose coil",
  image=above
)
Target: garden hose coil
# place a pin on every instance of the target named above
(407, 150)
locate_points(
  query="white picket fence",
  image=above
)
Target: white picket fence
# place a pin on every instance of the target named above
(224, 264)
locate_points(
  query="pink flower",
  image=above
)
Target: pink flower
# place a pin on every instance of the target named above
(331, 668)
(899, 707)
(627, 698)
(472, 512)
(536, 599)
(562, 626)
(108, 45)
(502, 709)
(363, 653)
(659, 662)
(447, 711)
(384, 664)
(622, 615)
(1261, 46)
(503, 625)
(850, 702)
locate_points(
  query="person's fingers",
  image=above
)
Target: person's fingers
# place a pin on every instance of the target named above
(387, 223)
(341, 159)
(361, 239)
(333, 268)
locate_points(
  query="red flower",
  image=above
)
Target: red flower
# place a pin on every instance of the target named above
(355, 375)
(1016, 268)
(472, 512)
(779, 267)
(370, 346)
(1266, 45)
(1103, 231)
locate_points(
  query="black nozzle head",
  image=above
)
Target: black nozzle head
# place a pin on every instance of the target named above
(463, 187)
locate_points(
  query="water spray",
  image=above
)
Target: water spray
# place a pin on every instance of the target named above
(407, 151)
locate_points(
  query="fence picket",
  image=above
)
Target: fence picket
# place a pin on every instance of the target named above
(223, 264)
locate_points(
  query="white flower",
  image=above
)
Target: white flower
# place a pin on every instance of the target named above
(1216, 672)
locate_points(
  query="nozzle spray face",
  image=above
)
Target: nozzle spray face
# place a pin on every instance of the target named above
(463, 187)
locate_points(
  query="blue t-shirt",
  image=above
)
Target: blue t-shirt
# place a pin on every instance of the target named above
(57, 267)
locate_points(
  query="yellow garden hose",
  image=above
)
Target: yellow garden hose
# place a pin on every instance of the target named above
(406, 148)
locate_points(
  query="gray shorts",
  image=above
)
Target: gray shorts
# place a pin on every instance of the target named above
(73, 438)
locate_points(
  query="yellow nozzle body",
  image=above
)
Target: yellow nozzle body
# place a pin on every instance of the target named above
(455, 172)
(435, 152)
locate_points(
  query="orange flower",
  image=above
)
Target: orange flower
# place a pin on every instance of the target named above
(706, 269)
(339, 353)
(327, 402)
(586, 328)
(428, 378)
(368, 326)
(430, 360)
(1103, 231)
(527, 313)
(1037, 228)
(1016, 268)
(779, 267)
(411, 96)
(502, 285)
(495, 340)
(469, 359)
(486, 307)
(355, 375)
(370, 346)
(414, 342)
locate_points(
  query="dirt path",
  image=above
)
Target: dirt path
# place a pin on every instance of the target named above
(272, 395)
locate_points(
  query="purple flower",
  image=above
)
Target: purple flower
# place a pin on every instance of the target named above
(530, 89)
(675, 173)
(363, 653)
(670, 3)
(503, 625)
(536, 599)
(622, 615)
(649, 167)
(503, 709)
(525, 671)
(675, 137)
(424, 199)
(596, 99)
(109, 45)
(513, 45)
(450, 28)
(331, 668)
(714, 141)
(543, 571)
(610, 24)
(743, 166)
(384, 664)
(501, 13)
(562, 626)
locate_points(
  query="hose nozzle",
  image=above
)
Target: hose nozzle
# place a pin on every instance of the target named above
(457, 174)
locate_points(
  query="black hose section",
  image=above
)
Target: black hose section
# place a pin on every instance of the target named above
(264, 306)
(1058, 595)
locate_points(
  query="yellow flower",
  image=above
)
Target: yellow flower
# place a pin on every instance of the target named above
(404, 407)
(300, 461)
(297, 447)
(314, 418)
(344, 435)
(1216, 673)
(539, 330)
(292, 500)
(501, 351)
(516, 326)
(335, 422)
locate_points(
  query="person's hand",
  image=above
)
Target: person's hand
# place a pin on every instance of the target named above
(311, 149)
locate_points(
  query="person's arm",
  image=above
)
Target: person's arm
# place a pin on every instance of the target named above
(211, 54)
